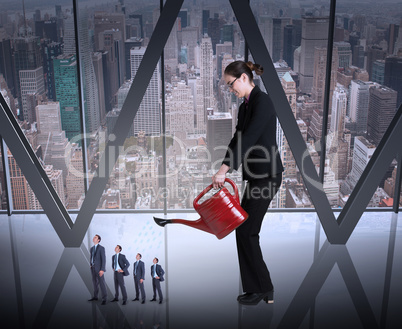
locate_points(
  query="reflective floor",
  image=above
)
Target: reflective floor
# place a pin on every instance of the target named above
(317, 285)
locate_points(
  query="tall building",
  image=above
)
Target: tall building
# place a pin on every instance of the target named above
(75, 178)
(344, 54)
(207, 73)
(205, 18)
(55, 145)
(291, 41)
(319, 75)
(98, 69)
(90, 86)
(148, 117)
(189, 38)
(66, 82)
(128, 44)
(180, 109)
(359, 104)
(19, 185)
(31, 83)
(362, 152)
(314, 34)
(50, 51)
(373, 53)
(6, 64)
(378, 72)
(278, 25)
(393, 75)
(382, 109)
(105, 21)
(183, 14)
(195, 83)
(27, 56)
(339, 104)
(219, 133)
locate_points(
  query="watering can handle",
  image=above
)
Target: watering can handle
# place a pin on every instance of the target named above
(208, 188)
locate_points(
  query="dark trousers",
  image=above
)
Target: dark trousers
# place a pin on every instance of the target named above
(119, 282)
(98, 281)
(139, 287)
(156, 286)
(257, 196)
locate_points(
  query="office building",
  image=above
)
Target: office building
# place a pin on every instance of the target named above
(66, 82)
(148, 117)
(344, 54)
(393, 75)
(359, 104)
(31, 83)
(314, 34)
(50, 51)
(219, 133)
(382, 109)
(180, 109)
(378, 72)
(207, 73)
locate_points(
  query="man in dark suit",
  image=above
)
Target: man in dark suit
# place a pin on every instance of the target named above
(120, 266)
(139, 277)
(98, 268)
(157, 273)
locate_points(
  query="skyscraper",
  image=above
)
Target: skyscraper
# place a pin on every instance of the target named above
(382, 109)
(50, 51)
(6, 64)
(314, 34)
(339, 103)
(207, 73)
(219, 133)
(148, 117)
(27, 56)
(65, 79)
(359, 104)
(393, 75)
(180, 109)
(344, 54)
(31, 83)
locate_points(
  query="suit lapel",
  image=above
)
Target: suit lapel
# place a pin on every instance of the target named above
(247, 111)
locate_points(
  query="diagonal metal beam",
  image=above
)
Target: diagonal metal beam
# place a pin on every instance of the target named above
(33, 171)
(125, 119)
(317, 275)
(273, 86)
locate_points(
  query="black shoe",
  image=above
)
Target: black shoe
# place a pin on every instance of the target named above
(92, 299)
(135, 299)
(103, 302)
(160, 302)
(114, 300)
(244, 295)
(255, 298)
(143, 301)
(124, 302)
(152, 300)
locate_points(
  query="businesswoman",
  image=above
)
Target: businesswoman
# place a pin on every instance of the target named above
(254, 147)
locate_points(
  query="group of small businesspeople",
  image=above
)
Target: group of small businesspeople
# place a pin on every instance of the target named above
(120, 266)
(253, 146)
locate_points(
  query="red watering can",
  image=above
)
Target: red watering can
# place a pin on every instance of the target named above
(220, 214)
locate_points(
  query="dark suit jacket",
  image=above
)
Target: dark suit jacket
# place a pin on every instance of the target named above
(99, 258)
(140, 270)
(159, 272)
(254, 142)
(123, 263)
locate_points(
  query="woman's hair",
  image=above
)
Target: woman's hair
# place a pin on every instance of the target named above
(237, 68)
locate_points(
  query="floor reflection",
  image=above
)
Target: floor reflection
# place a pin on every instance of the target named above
(317, 285)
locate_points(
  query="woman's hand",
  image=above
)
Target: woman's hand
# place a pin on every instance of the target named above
(218, 180)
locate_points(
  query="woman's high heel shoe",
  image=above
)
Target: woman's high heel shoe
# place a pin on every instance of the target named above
(255, 298)
(269, 299)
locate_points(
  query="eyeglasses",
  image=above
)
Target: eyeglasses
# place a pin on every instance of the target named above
(230, 85)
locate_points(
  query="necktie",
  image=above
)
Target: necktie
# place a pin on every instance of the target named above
(154, 270)
(115, 262)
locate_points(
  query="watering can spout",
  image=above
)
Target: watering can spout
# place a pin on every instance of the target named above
(220, 214)
(198, 224)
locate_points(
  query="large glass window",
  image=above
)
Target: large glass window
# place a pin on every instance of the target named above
(366, 94)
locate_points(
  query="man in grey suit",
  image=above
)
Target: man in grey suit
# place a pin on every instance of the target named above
(157, 273)
(120, 266)
(98, 268)
(139, 277)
